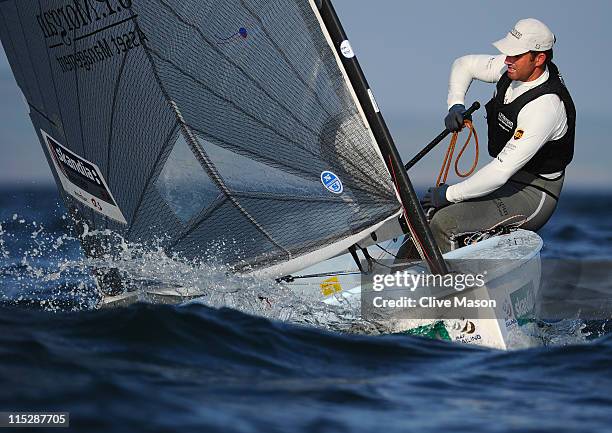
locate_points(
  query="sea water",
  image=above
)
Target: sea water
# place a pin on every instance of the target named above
(230, 362)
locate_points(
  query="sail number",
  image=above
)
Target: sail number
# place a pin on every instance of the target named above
(128, 41)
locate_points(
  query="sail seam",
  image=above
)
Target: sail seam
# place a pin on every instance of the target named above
(55, 91)
(81, 133)
(282, 197)
(204, 160)
(204, 215)
(30, 57)
(150, 178)
(113, 107)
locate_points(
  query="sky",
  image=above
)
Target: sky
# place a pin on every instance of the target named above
(406, 49)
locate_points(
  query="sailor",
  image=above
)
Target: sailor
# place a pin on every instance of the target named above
(531, 127)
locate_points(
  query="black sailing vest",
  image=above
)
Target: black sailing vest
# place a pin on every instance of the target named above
(502, 118)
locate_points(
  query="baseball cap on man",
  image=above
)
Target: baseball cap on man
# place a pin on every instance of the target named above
(527, 35)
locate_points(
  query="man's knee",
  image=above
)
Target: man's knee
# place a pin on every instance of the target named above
(444, 227)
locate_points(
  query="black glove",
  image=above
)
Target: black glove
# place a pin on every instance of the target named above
(454, 118)
(435, 197)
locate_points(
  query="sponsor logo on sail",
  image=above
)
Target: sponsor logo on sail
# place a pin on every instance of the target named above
(82, 179)
(332, 182)
(62, 20)
(101, 29)
(347, 50)
(75, 165)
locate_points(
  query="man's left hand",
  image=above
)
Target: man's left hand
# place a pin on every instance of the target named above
(436, 197)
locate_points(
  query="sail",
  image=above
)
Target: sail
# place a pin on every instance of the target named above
(225, 129)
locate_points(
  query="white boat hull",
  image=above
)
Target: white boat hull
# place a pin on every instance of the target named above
(512, 286)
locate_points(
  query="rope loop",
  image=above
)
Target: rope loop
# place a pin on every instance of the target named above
(448, 158)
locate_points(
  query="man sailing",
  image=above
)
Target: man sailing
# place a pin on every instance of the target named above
(531, 124)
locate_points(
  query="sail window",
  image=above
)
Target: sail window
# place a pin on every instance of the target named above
(184, 184)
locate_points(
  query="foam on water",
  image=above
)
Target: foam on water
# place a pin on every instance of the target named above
(43, 270)
(46, 269)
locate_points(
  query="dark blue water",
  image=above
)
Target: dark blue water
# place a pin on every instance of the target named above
(193, 368)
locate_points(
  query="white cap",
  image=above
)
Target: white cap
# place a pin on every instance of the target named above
(527, 35)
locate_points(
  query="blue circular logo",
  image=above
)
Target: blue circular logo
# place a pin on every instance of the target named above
(332, 182)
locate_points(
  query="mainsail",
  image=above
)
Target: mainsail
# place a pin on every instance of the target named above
(229, 129)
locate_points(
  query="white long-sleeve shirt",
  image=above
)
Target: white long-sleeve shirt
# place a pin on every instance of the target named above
(542, 120)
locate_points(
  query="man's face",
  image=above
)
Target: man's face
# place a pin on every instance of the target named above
(524, 66)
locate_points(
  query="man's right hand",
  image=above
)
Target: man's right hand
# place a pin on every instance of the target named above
(454, 119)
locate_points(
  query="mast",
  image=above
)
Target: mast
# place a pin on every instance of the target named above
(416, 221)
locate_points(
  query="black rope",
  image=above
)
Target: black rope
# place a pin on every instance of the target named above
(353, 251)
(387, 251)
(292, 278)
